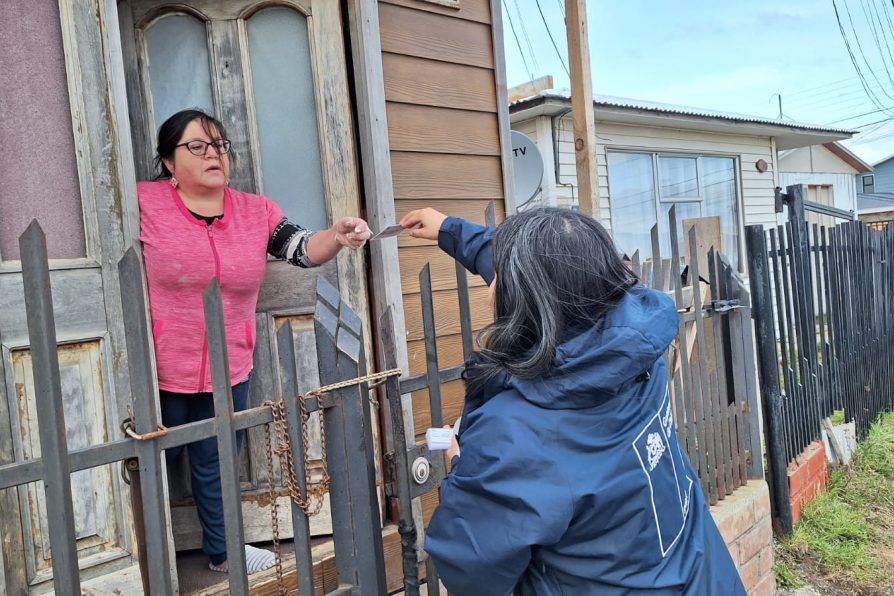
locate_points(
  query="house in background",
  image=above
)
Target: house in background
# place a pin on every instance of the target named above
(876, 209)
(651, 156)
(828, 171)
(880, 180)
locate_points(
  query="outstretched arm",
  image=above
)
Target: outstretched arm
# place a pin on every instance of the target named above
(468, 243)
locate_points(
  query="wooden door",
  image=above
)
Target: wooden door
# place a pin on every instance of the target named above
(276, 76)
(61, 162)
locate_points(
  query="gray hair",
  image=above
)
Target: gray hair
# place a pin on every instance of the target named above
(557, 273)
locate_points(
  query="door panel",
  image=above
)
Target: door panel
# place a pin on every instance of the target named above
(279, 80)
(96, 492)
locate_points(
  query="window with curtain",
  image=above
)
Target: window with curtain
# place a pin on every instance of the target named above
(286, 114)
(644, 186)
(179, 66)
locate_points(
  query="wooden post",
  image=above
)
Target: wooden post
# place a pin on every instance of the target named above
(582, 114)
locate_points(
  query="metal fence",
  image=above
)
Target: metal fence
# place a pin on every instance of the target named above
(824, 324)
(346, 417)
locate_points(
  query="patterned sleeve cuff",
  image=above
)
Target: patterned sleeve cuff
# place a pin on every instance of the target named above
(289, 241)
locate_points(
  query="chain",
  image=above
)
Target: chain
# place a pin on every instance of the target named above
(312, 502)
(274, 513)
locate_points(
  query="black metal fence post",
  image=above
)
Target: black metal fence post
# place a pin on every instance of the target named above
(762, 310)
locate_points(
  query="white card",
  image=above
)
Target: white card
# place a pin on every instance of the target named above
(390, 231)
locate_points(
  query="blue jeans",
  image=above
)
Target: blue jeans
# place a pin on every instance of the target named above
(204, 463)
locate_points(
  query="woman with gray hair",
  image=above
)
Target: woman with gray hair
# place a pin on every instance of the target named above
(571, 479)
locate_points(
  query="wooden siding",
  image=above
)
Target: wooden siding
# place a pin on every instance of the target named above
(756, 189)
(443, 128)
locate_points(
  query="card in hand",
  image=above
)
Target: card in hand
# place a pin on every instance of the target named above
(390, 231)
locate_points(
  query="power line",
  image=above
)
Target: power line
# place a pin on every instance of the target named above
(524, 28)
(517, 42)
(852, 57)
(548, 32)
(850, 19)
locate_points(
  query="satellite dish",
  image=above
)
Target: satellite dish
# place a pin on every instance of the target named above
(527, 167)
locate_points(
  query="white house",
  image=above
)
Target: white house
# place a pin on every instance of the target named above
(828, 170)
(651, 156)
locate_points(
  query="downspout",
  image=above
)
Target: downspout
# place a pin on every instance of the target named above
(555, 138)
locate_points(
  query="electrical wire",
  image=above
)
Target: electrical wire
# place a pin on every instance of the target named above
(517, 42)
(549, 32)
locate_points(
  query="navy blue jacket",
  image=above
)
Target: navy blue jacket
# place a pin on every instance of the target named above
(574, 483)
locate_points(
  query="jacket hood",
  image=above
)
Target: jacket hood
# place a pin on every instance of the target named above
(593, 365)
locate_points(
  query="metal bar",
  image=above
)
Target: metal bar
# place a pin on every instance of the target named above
(793, 395)
(762, 309)
(706, 417)
(721, 398)
(421, 381)
(350, 441)
(401, 468)
(431, 347)
(79, 459)
(432, 582)
(288, 376)
(465, 310)
(226, 438)
(50, 409)
(827, 210)
(146, 413)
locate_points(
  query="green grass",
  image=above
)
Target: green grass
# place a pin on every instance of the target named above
(848, 532)
(837, 417)
(786, 577)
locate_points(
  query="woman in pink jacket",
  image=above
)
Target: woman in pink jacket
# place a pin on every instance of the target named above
(194, 228)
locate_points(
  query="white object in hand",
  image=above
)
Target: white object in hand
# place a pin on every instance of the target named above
(439, 439)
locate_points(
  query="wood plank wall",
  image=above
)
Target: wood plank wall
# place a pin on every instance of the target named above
(441, 103)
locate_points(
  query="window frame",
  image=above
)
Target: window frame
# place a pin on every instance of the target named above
(863, 184)
(659, 201)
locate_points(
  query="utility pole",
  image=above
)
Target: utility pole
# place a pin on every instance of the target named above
(582, 115)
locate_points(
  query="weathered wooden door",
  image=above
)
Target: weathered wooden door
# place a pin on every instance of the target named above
(276, 76)
(58, 167)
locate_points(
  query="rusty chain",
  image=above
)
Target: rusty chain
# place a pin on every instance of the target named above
(315, 494)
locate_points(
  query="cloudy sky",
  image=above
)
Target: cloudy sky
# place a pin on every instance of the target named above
(728, 55)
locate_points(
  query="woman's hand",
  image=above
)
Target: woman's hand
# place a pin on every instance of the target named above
(423, 223)
(351, 232)
(453, 451)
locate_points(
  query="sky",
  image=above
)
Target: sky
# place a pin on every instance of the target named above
(727, 55)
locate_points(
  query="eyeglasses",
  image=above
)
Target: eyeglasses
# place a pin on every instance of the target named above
(200, 148)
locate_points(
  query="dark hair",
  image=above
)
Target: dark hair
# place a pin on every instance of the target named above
(558, 271)
(170, 133)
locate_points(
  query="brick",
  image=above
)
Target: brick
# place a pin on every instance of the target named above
(797, 479)
(817, 460)
(796, 509)
(766, 560)
(766, 587)
(750, 573)
(762, 507)
(738, 518)
(755, 540)
(734, 552)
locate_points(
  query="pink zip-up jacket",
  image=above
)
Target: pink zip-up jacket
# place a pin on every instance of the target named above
(182, 254)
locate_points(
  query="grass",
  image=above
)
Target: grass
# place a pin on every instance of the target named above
(848, 532)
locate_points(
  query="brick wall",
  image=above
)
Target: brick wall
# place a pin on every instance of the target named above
(745, 524)
(807, 477)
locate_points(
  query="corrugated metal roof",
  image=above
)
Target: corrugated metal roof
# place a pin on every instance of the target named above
(664, 108)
